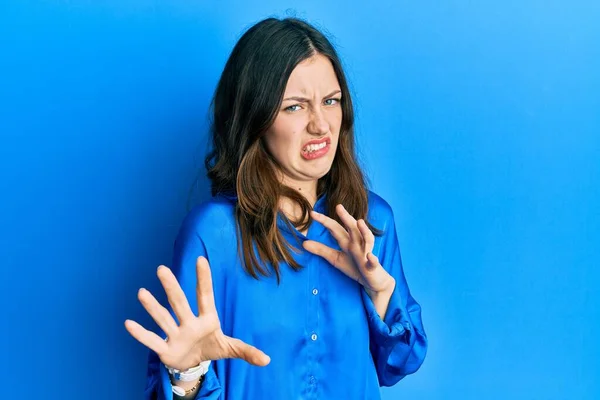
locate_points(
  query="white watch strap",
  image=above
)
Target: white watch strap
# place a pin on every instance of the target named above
(181, 392)
(178, 391)
(191, 374)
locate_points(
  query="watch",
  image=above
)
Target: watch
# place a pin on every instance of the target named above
(188, 375)
(179, 391)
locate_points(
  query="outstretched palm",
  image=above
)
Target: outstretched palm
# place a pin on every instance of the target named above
(196, 338)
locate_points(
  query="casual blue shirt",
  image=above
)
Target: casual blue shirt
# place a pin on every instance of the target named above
(320, 328)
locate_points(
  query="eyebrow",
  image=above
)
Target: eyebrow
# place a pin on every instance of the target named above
(306, 100)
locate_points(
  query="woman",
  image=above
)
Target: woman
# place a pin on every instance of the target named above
(305, 296)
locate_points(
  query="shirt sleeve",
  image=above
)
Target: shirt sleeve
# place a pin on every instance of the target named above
(188, 247)
(398, 343)
(158, 384)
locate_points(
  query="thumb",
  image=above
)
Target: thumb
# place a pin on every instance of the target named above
(322, 250)
(248, 353)
(335, 257)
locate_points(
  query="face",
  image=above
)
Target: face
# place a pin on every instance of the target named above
(304, 137)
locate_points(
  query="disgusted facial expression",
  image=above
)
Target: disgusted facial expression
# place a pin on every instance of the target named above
(304, 136)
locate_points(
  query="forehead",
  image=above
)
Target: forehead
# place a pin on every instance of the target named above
(314, 74)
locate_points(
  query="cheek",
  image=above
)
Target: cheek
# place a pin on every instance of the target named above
(336, 126)
(281, 142)
(335, 121)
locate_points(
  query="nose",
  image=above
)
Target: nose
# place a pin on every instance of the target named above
(318, 125)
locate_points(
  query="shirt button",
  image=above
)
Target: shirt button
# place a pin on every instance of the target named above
(314, 337)
(315, 292)
(312, 380)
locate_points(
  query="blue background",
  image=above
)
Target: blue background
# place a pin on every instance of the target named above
(478, 121)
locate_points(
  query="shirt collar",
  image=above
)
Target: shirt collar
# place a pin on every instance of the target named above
(314, 230)
(318, 207)
(283, 222)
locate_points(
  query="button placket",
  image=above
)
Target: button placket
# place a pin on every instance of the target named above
(314, 301)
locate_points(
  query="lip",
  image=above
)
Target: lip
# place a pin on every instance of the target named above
(318, 153)
(317, 141)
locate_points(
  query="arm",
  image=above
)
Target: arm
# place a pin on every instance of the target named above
(398, 341)
(188, 247)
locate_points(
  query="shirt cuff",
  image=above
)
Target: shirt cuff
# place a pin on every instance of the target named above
(395, 327)
(209, 388)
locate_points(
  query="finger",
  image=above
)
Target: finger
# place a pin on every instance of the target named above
(248, 353)
(175, 294)
(204, 287)
(338, 232)
(159, 313)
(350, 225)
(146, 337)
(367, 235)
(336, 258)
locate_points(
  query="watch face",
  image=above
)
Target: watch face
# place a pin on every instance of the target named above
(178, 391)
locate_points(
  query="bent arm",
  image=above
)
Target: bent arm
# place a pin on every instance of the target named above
(398, 341)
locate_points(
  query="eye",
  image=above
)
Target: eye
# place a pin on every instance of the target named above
(291, 108)
(332, 102)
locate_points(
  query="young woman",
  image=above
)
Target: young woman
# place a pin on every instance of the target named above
(305, 296)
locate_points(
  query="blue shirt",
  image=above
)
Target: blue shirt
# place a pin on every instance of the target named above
(320, 328)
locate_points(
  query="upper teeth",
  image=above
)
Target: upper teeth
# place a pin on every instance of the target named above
(314, 147)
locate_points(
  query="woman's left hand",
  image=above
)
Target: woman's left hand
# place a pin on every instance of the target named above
(355, 259)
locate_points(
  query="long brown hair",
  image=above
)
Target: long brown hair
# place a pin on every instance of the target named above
(246, 101)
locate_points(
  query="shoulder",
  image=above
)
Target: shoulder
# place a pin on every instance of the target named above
(210, 218)
(380, 213)
(379, 207)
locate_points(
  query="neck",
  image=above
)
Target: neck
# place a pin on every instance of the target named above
(308, 189)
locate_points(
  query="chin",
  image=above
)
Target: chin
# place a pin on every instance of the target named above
(322, 172)
(314, 170)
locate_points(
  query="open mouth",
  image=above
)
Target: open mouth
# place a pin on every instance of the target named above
(316, 149)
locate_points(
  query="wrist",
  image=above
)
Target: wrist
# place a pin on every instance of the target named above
(188, 381)
(191, 374)
(183, 389)
(381, 299)
(385, 292)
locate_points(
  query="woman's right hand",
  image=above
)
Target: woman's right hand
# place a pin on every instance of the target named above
(196, 338)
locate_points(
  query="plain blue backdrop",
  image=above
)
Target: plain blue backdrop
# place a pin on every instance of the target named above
(478, 121)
